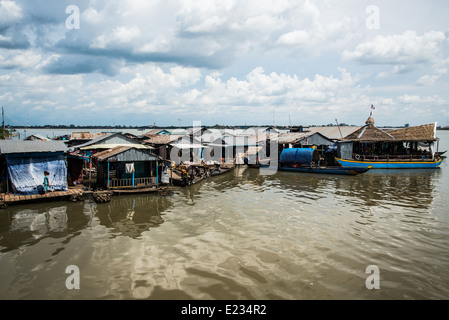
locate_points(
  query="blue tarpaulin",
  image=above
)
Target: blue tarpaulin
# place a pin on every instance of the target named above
(27, 172)
(298, 156)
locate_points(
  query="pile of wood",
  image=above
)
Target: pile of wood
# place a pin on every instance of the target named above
(101, 197)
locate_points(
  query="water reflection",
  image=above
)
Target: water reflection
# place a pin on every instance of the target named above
(29, 226)
(406, 188)
(125, 215)
(132, 215)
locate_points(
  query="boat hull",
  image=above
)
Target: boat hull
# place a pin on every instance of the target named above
(390, 165)
(264, 164)
(327, 170)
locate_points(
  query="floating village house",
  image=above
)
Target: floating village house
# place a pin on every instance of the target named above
(106, 141)
(304, 140)
(161, 143)
(36, 137)
(23, 164)
(177, 148)
(127, 167)
(80, 156)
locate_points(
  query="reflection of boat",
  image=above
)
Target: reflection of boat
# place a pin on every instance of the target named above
(327, 170)
(254, 162)
(307, 160)
(221, 169)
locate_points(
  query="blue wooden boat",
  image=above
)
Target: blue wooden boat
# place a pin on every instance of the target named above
(413, 164)
(307, 160)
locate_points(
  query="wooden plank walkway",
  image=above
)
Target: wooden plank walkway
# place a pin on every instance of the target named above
(142, 190)
(17, 198)
(72, 194)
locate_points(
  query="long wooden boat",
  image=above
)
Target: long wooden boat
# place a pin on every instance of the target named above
(327, 170)
(397, 164)
(188, 175)
(257, 164)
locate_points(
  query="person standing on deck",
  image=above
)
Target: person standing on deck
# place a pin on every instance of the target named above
(46, 182)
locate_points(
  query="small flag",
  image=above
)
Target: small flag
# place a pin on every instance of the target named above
(372, 107)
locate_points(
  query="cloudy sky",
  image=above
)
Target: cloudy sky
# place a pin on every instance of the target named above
(172, 62)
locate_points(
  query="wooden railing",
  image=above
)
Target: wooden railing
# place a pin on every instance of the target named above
(138, 182)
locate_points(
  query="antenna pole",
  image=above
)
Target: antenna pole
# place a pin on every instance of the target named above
(3, 125)
(338, 128)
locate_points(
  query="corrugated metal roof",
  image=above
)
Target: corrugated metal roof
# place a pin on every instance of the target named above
(155, 131)
(333, 132)
(21, 146)
(188, 145)
(293, 137)
(238, 141)
(86, 135)
(162, 138)
(180, 131)
(264, 136)
(113, 145)
(38, 137)
(126, 153)
(105, 137)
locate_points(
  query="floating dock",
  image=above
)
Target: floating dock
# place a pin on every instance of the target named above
(76, 194)
(8, 199)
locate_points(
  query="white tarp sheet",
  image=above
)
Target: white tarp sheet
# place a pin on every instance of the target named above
(27, 173)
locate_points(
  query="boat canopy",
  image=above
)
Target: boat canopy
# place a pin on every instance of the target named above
(299, 156)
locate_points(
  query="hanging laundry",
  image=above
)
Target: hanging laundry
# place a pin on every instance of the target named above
(129, 167)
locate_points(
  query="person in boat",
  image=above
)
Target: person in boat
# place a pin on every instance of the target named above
(47, 182)
(184, 174)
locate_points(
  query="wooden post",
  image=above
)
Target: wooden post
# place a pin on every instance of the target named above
(157, 173)
(108, 175)
(3, 123)
(90, 171)
(133, 178)
(7, 180)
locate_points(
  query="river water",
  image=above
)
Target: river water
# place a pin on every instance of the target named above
(240, 235)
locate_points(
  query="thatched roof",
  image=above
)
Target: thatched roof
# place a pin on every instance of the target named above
(369, 133)
(426, 132)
